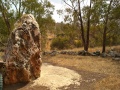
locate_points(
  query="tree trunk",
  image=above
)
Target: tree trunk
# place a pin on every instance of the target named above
(81, 23)
(105, 28)
(88, 28)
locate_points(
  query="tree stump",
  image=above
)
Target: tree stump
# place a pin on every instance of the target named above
(23, 52)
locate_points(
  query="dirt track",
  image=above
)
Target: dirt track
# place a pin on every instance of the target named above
(59, 78)
(52, 78)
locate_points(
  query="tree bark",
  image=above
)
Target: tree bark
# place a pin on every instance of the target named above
(81, 23)
(88, 28)
(106, 27)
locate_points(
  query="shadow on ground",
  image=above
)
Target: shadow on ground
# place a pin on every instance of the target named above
(14, 86)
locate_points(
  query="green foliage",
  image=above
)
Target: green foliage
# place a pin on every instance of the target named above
(70, 32)
(60, 43)
(77, 43)
(11, 10)
(99, 10)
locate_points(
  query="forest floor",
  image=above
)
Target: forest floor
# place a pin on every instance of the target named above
(81, 72)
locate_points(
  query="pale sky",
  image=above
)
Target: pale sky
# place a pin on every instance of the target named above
(60, 5)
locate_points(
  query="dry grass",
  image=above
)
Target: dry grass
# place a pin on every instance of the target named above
(93, 64)
(87, 63)
(109, 83)
(117, 48)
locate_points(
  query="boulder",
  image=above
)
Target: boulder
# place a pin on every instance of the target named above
(63, 52)
(115, 58)
(23, 51)
(104, 55)
(114, 53)
(97, 53)
(53, 53)
(84, 53)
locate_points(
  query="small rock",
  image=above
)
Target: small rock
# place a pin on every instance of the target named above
(53, 53)
(83, 52)
(117, 59)
(103, 55)
(97, 53)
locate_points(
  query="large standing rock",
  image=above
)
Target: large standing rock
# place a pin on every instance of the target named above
(22, 55)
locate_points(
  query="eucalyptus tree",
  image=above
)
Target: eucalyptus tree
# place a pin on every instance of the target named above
(106, 25)
(75, 16)
(101, 15)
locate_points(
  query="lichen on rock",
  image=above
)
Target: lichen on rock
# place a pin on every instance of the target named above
(23, 52)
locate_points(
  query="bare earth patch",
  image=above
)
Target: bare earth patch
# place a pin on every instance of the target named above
(54, 78)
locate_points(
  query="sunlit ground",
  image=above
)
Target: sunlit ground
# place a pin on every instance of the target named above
(96, 64)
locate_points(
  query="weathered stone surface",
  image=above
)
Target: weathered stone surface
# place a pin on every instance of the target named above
(114, 53)
(84, 53)
(23, 52)
(97, 53)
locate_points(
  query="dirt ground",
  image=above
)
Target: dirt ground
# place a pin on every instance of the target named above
(52, 78)
(96, 73)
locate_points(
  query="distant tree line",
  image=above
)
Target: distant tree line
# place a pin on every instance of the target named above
(95, 24)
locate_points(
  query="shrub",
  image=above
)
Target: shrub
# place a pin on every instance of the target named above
(60, 43)
(77, 43)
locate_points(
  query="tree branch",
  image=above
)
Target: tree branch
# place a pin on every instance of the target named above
(68, 4)
(15, 5)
